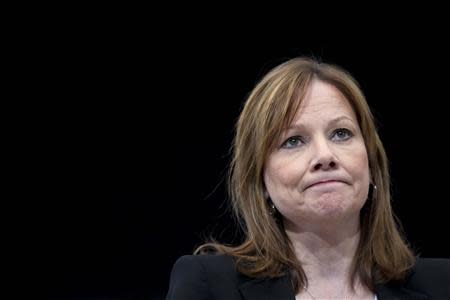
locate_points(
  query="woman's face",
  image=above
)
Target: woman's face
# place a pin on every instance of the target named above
(319, 170)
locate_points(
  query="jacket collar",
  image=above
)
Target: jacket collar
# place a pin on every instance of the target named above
(281, 289)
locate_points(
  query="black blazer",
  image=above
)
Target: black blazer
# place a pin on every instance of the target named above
(213, 277)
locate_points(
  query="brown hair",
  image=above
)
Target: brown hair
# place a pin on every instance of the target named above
(382, 254)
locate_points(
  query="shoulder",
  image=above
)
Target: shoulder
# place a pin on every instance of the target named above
(431, 269)
(432, 264)
(431, 276)
(205, 263)
(203, 277)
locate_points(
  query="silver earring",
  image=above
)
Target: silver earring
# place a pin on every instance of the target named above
(272, 209)
(373, 189)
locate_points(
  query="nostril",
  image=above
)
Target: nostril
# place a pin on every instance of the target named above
(326, 166)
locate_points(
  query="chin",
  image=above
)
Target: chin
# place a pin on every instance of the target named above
(333, 206)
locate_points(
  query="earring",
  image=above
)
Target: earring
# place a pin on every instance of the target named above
(373, 189)
(272, 208)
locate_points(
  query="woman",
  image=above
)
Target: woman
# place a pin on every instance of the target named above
(309, 184)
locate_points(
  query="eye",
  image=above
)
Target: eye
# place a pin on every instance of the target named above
(292, 142)
(341, 134)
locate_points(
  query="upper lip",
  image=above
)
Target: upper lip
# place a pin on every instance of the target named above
(325, 178)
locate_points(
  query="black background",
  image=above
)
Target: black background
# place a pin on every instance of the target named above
(127, 138)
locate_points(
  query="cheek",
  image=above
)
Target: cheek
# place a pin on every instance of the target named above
(286, 173)
(363, 163)
(357, 161)
(361, 173)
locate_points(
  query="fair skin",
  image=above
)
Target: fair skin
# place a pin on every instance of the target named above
(318, 179)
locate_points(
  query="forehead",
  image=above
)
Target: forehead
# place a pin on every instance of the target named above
(323, 101)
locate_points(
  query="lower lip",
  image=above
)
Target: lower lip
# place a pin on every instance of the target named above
(325, 183)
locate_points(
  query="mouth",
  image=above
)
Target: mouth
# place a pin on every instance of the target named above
(325, 183)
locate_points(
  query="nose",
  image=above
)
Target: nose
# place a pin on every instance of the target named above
(323, 157)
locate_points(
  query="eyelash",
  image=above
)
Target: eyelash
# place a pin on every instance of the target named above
(348, 135)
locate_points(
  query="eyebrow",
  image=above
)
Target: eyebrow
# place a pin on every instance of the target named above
(331, 122)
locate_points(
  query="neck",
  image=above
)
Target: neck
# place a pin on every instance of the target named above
(326, 252)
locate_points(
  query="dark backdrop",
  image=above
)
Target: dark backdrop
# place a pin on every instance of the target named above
(130, 147)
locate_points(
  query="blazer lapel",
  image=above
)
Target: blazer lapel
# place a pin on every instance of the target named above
(265, 289)
(385, 292)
